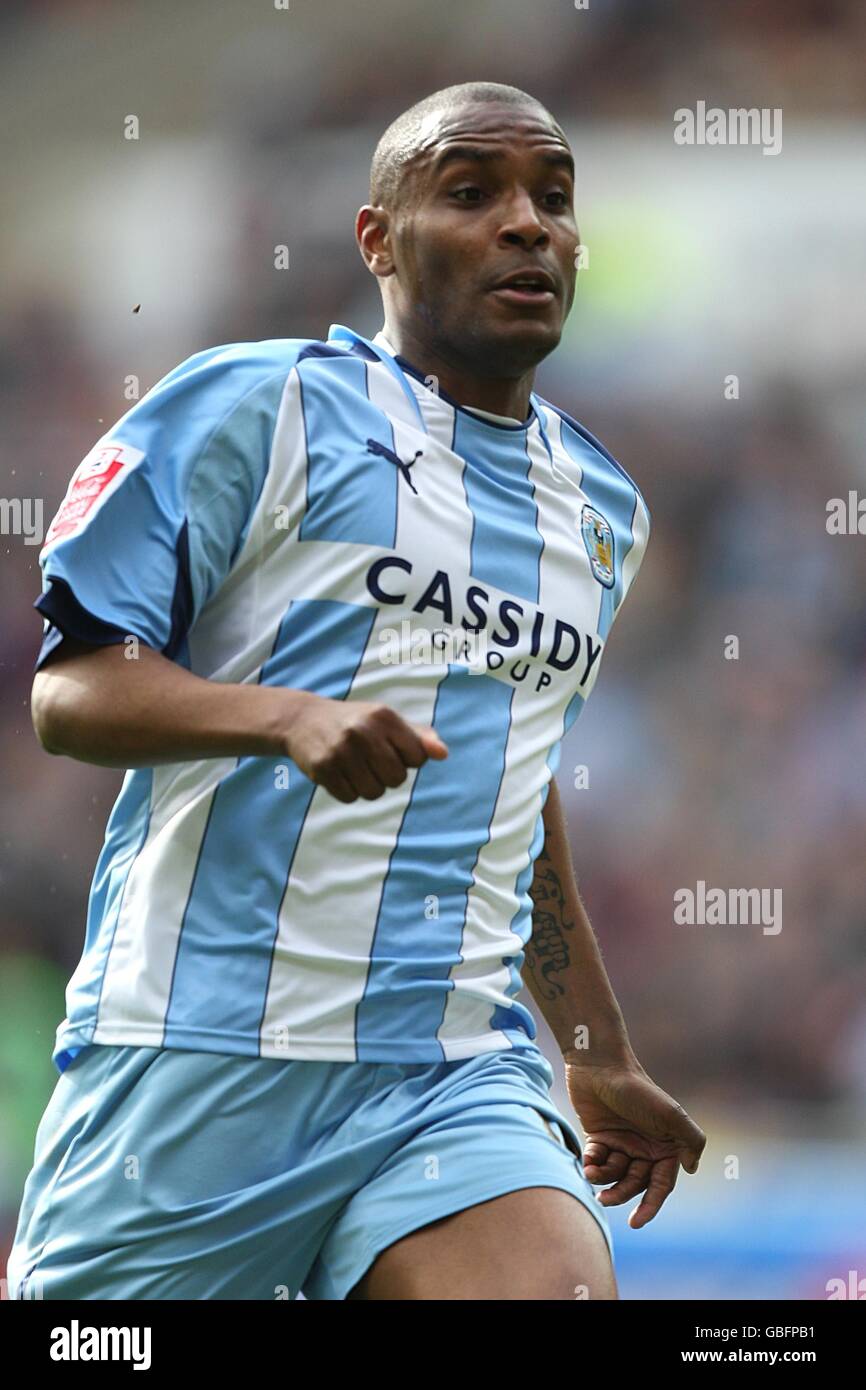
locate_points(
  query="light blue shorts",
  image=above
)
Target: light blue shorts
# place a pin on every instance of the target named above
(166, 1174)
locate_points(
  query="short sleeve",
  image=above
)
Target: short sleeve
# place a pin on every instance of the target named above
(155, 514)
(619, 505)
(640, 531)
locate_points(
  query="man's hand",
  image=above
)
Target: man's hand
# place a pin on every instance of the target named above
(636, 1135)
(353, 749)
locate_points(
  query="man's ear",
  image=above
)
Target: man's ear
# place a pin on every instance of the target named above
(372, 233)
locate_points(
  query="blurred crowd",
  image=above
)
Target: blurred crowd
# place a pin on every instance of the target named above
(743, 772)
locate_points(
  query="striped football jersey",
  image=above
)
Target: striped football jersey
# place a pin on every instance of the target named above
(318, 515)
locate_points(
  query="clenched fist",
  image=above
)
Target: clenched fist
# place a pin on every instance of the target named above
(355, 748)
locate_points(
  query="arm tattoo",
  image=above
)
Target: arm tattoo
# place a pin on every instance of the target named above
(546, 953)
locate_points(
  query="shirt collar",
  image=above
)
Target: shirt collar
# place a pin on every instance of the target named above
(383, 342)
(381, 348)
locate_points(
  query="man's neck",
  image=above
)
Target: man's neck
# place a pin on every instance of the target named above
(503, 398)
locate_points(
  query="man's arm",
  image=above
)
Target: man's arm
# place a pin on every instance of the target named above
(563, 970)
(94, 704)
(637, 1136)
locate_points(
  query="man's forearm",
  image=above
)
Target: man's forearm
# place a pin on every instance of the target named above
(563, 969)
(101, 708)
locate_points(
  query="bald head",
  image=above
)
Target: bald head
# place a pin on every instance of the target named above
(405, 139)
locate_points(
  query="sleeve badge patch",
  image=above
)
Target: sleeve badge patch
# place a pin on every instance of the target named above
(97, 476)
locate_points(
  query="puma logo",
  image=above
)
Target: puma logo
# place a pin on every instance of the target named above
(374, 447)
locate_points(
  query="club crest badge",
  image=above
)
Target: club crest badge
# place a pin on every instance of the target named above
(598, 539)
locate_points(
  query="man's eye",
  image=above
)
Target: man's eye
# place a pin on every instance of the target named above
(471, 193)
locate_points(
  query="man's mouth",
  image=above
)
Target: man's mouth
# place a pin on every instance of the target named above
(526, 287)
(519, 294)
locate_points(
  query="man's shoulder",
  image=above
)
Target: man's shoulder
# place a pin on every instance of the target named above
(265, 355)
(572, 427)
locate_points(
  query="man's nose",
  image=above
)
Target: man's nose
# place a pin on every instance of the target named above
(522, 226)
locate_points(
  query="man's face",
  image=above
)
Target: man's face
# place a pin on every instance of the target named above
(489, 199)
